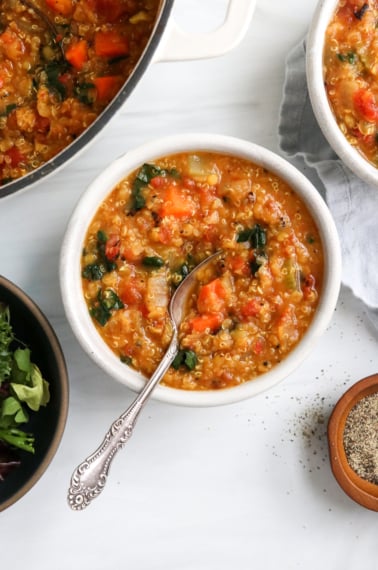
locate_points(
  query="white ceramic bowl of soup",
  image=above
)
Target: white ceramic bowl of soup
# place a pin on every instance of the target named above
(315, 44)
(70, 264)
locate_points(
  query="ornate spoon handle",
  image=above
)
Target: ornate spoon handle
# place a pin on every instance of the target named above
(89, 478)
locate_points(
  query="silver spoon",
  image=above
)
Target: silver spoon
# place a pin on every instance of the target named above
(89, 478)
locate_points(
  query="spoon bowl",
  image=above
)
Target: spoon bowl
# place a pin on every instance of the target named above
(89, 478)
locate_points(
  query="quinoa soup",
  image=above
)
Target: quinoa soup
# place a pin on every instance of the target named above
(61, 63)
(248, 309)
(350, 73)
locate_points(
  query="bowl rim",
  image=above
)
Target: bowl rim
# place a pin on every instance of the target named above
(349, 155)
(70, 282)
(37, 313)
(360, 490)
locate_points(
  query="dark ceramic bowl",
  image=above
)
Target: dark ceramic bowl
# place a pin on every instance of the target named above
(32, 328)
(358, 489)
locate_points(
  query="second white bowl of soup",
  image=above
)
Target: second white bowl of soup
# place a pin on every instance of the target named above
(158, 211)
(341, 66)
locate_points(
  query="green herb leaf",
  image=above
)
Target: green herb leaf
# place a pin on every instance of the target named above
(18, 438)
(107, 302)
(256, 236)
(185, 357)
(96, 271)
(53, 71)
(153, 261)
(349, 57)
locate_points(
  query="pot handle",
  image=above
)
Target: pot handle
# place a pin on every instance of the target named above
(179, 45)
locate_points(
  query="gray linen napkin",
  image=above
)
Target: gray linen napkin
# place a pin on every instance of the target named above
(353, 203)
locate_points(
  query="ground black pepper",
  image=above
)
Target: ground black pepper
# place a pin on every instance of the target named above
(361, 438)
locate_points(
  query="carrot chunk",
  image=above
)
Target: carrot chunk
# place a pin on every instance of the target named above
(77, 54)
(107, 86)
(209, 321)
(62, 7)
(177, 204)
(211, 297)
(111, 44)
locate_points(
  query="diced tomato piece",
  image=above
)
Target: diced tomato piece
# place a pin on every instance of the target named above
(42, 124)
(211, 297)
(62, 7)
(177, 204)
(252, 308)
(365, 105)
(347, 13)
(210, 321)
(130, 293)
(368, 141)
(77, 54)
(111, 44)
(159, 181)
(188, 183)
(107, 86)
(112, 247)
(240, 265)
(15, 155)
(258, 345)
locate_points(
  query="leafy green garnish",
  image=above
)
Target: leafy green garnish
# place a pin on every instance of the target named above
(256, 236)
(53, 71)
(18, 438)
(96, 271)
(144, 176)
(153, 261)
(187, 358)
(107, 301)
(258, 240)
(349, 57)
(22, 387)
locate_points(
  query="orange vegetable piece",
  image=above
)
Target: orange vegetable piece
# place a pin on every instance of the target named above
(211, 297)
(366, 105)
(107, 86)
(77, 54)
(252, 308)
(240, 265)
(15, 156)
(111, 44)
(209, 321)
(62, 7)
(177, 204)
(12, 45)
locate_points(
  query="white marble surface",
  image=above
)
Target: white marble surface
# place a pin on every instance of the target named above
(242, 486)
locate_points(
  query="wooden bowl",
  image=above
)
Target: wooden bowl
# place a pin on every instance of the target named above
(358, 489)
